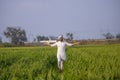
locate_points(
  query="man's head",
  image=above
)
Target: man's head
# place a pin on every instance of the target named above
(60, 38)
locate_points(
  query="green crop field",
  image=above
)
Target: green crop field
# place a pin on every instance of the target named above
(100, 62)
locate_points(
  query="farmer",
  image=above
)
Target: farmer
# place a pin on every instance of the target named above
(61, 54)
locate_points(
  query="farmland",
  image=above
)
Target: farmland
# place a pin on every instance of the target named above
(99, 62)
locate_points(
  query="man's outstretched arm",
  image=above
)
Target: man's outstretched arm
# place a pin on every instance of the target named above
(69, 44)
(54, 44)
(77, 43)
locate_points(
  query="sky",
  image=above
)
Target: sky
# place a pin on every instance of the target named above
(86, 19)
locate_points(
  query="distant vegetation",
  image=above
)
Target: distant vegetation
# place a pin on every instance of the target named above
(17, 37)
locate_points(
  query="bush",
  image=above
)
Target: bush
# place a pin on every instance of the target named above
(7, 45)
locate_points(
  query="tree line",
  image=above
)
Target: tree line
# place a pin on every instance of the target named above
(111, 36)
(17, 36)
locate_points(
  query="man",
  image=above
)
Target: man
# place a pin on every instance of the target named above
(61, 54)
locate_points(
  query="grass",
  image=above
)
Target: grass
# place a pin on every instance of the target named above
(40, 63)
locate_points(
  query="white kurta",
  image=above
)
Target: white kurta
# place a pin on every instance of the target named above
(61, 54)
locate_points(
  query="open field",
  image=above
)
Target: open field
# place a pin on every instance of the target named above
(39, 63)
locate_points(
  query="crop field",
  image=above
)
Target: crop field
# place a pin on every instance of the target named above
(98, 62)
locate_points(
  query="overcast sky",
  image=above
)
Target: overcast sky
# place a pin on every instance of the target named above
(86, 19)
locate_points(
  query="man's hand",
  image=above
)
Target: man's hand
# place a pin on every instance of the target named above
(48, 43)
(77, 43)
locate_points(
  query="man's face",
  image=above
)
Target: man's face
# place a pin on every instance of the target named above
(61, 39)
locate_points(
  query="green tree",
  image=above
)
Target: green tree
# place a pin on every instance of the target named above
(16, 35)
(0, 39)
(118, 36)
(39, 38)
(108, 35)
(69, 36)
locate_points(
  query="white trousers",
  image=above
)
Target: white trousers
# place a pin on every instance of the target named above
(60, 64)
